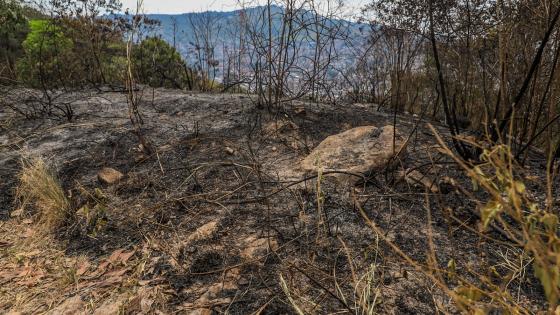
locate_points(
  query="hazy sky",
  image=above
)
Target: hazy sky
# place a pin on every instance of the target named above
(182, 6)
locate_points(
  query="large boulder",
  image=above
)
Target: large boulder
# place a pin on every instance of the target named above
(359, 150)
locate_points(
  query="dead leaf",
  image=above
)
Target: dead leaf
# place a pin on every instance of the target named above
(73, 305)
(103, 267)
(115, 255)
(120, 256)
(144, 282)
(126, 256)
(24, 272)
(150, 281)
(112, 305)
(32, 281)
(106, 282)
(7, 276)
(83, 268)
(31, 275)
(117, 273)
(146, 305)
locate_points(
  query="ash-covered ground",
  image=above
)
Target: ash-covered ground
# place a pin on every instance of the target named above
(218, 219)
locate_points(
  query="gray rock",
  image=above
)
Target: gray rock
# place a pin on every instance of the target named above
(359, 150)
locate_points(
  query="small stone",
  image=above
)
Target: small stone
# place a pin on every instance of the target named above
(257, 247)
(281, 127)
(229, 150)
(203, 232)
(109, 176)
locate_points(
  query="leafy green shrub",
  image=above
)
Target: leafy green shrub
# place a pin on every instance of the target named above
(114, 68)
(98, 48)
(72, 53)
(49, 59)
(158, 64)
(12, 33)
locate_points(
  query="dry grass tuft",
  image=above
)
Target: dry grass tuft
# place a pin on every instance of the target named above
(40, 187)
(368, 294)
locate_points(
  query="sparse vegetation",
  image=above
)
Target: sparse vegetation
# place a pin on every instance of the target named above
(48, 56)
(527, 217)
(40, 193)
(160, 65)
(284, 158)
(14, 28)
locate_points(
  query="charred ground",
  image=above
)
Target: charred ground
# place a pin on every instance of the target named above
(218, 219)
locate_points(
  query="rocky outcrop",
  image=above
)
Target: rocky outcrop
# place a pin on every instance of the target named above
(359, 150)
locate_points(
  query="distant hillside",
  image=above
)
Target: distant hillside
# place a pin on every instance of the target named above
(225, 28)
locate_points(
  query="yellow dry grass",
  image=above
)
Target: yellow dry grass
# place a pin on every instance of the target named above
(40, 188)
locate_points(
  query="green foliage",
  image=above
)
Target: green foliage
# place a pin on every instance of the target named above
(99, 49)
(45, 38)
(12, 34)
(75, 48)
(12, 19)
(71, 53)
(160, 65)
(58, 52)
(49, 60)
(113, 67)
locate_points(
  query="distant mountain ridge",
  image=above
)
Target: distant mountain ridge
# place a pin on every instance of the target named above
(177, 29)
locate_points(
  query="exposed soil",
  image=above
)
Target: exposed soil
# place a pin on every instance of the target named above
(214, 221)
